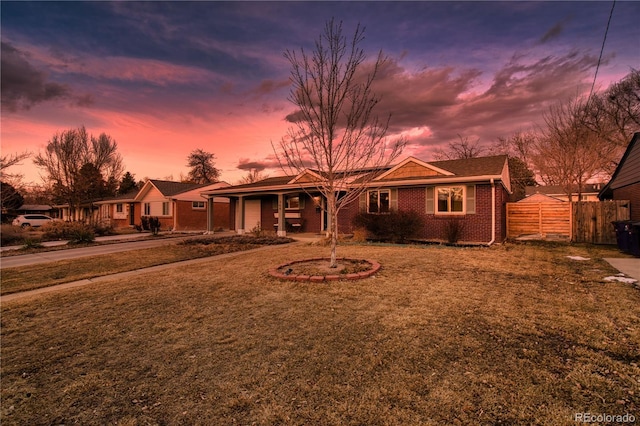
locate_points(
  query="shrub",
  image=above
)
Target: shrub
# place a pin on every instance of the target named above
(31, 243)
(102, 229)
(150, 223)
(396, 226)
(453, 229)
(75, 232)
(11, 235)
(81, 235)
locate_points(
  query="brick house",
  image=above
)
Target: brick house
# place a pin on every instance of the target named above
(178, 205)
(472, 191)
(625, 182)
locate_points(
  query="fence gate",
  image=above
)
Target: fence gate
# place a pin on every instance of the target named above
(592, 220)
(539, 220)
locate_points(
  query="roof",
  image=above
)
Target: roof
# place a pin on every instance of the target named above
(35, 207)
(169, 188)
(127, 196)
(589, 188)
(473, 166)
(628, 170)
(475, 169)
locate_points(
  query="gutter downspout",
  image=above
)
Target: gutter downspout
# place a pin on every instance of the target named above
(493, 212)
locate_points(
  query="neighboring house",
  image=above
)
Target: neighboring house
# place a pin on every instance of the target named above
(119, 211)
(625, 182)
(178, 205)
(472, 191)
(541, 198)
(87, 212)
(191, 209)
(589, 192)
(34, 209)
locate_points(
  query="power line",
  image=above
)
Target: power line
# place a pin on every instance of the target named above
(593, 85)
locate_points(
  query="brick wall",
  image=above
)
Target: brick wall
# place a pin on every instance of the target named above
(476, 227)
(190, 219)
(310, 217)
(631, 193)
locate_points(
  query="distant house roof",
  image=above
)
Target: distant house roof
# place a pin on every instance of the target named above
(35, 207)
(540, 198)
(628, 170)
(557, 190)
(127, 197)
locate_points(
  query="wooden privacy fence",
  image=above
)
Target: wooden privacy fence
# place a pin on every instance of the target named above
(584, 221)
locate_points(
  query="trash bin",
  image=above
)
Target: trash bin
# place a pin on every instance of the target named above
(623, 234)
(634, 239)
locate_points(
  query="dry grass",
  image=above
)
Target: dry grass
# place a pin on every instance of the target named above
(442, 335)
(48, 274)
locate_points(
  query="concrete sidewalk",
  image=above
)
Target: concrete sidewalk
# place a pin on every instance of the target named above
(628, 266)
(121, 275)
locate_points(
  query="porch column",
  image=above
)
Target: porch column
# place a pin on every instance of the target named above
(282, 228)
(210, 224)
(240, 215)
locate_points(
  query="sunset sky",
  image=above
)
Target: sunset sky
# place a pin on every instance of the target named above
(165, 78)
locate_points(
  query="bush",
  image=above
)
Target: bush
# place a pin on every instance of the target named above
(453, 229)
(11, 235)
(397, 226)
(102, 229)
(74, 231)
(82, 235)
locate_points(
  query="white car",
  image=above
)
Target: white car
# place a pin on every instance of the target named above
(33, 220)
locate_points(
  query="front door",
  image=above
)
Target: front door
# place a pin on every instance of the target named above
(132, 216)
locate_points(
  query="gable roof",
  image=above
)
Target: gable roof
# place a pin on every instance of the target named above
(412, 167)
(628, 170)
(169, 188)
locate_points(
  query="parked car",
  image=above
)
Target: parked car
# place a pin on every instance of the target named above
(33, 220)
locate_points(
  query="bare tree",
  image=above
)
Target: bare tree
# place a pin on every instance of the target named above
(615, 113)
(518, 148)
(460, 149)
(203, 168)
(336, 132)
(253, 175)
(7, 161)
(568, 153)
(65, 155)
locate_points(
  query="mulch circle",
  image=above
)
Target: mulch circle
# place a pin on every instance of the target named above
(317, 270)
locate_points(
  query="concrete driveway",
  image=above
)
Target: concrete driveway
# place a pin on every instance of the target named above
(628, 266)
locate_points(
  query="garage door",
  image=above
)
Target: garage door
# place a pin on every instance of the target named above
(251, 214)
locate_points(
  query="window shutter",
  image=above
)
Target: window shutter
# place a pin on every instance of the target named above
(301, 200)
(471, 199)
(393, 205)
(430, 199)
(363, 202)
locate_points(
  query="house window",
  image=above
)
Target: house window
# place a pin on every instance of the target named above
(147, 209)
(379, 201)
(450, 199)
(292, 203)
(119, 208)
(165, 208)
(197, 205)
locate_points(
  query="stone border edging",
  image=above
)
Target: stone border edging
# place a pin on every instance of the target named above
(375, 267)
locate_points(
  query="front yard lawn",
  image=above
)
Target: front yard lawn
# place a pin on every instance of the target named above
(513, 334)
